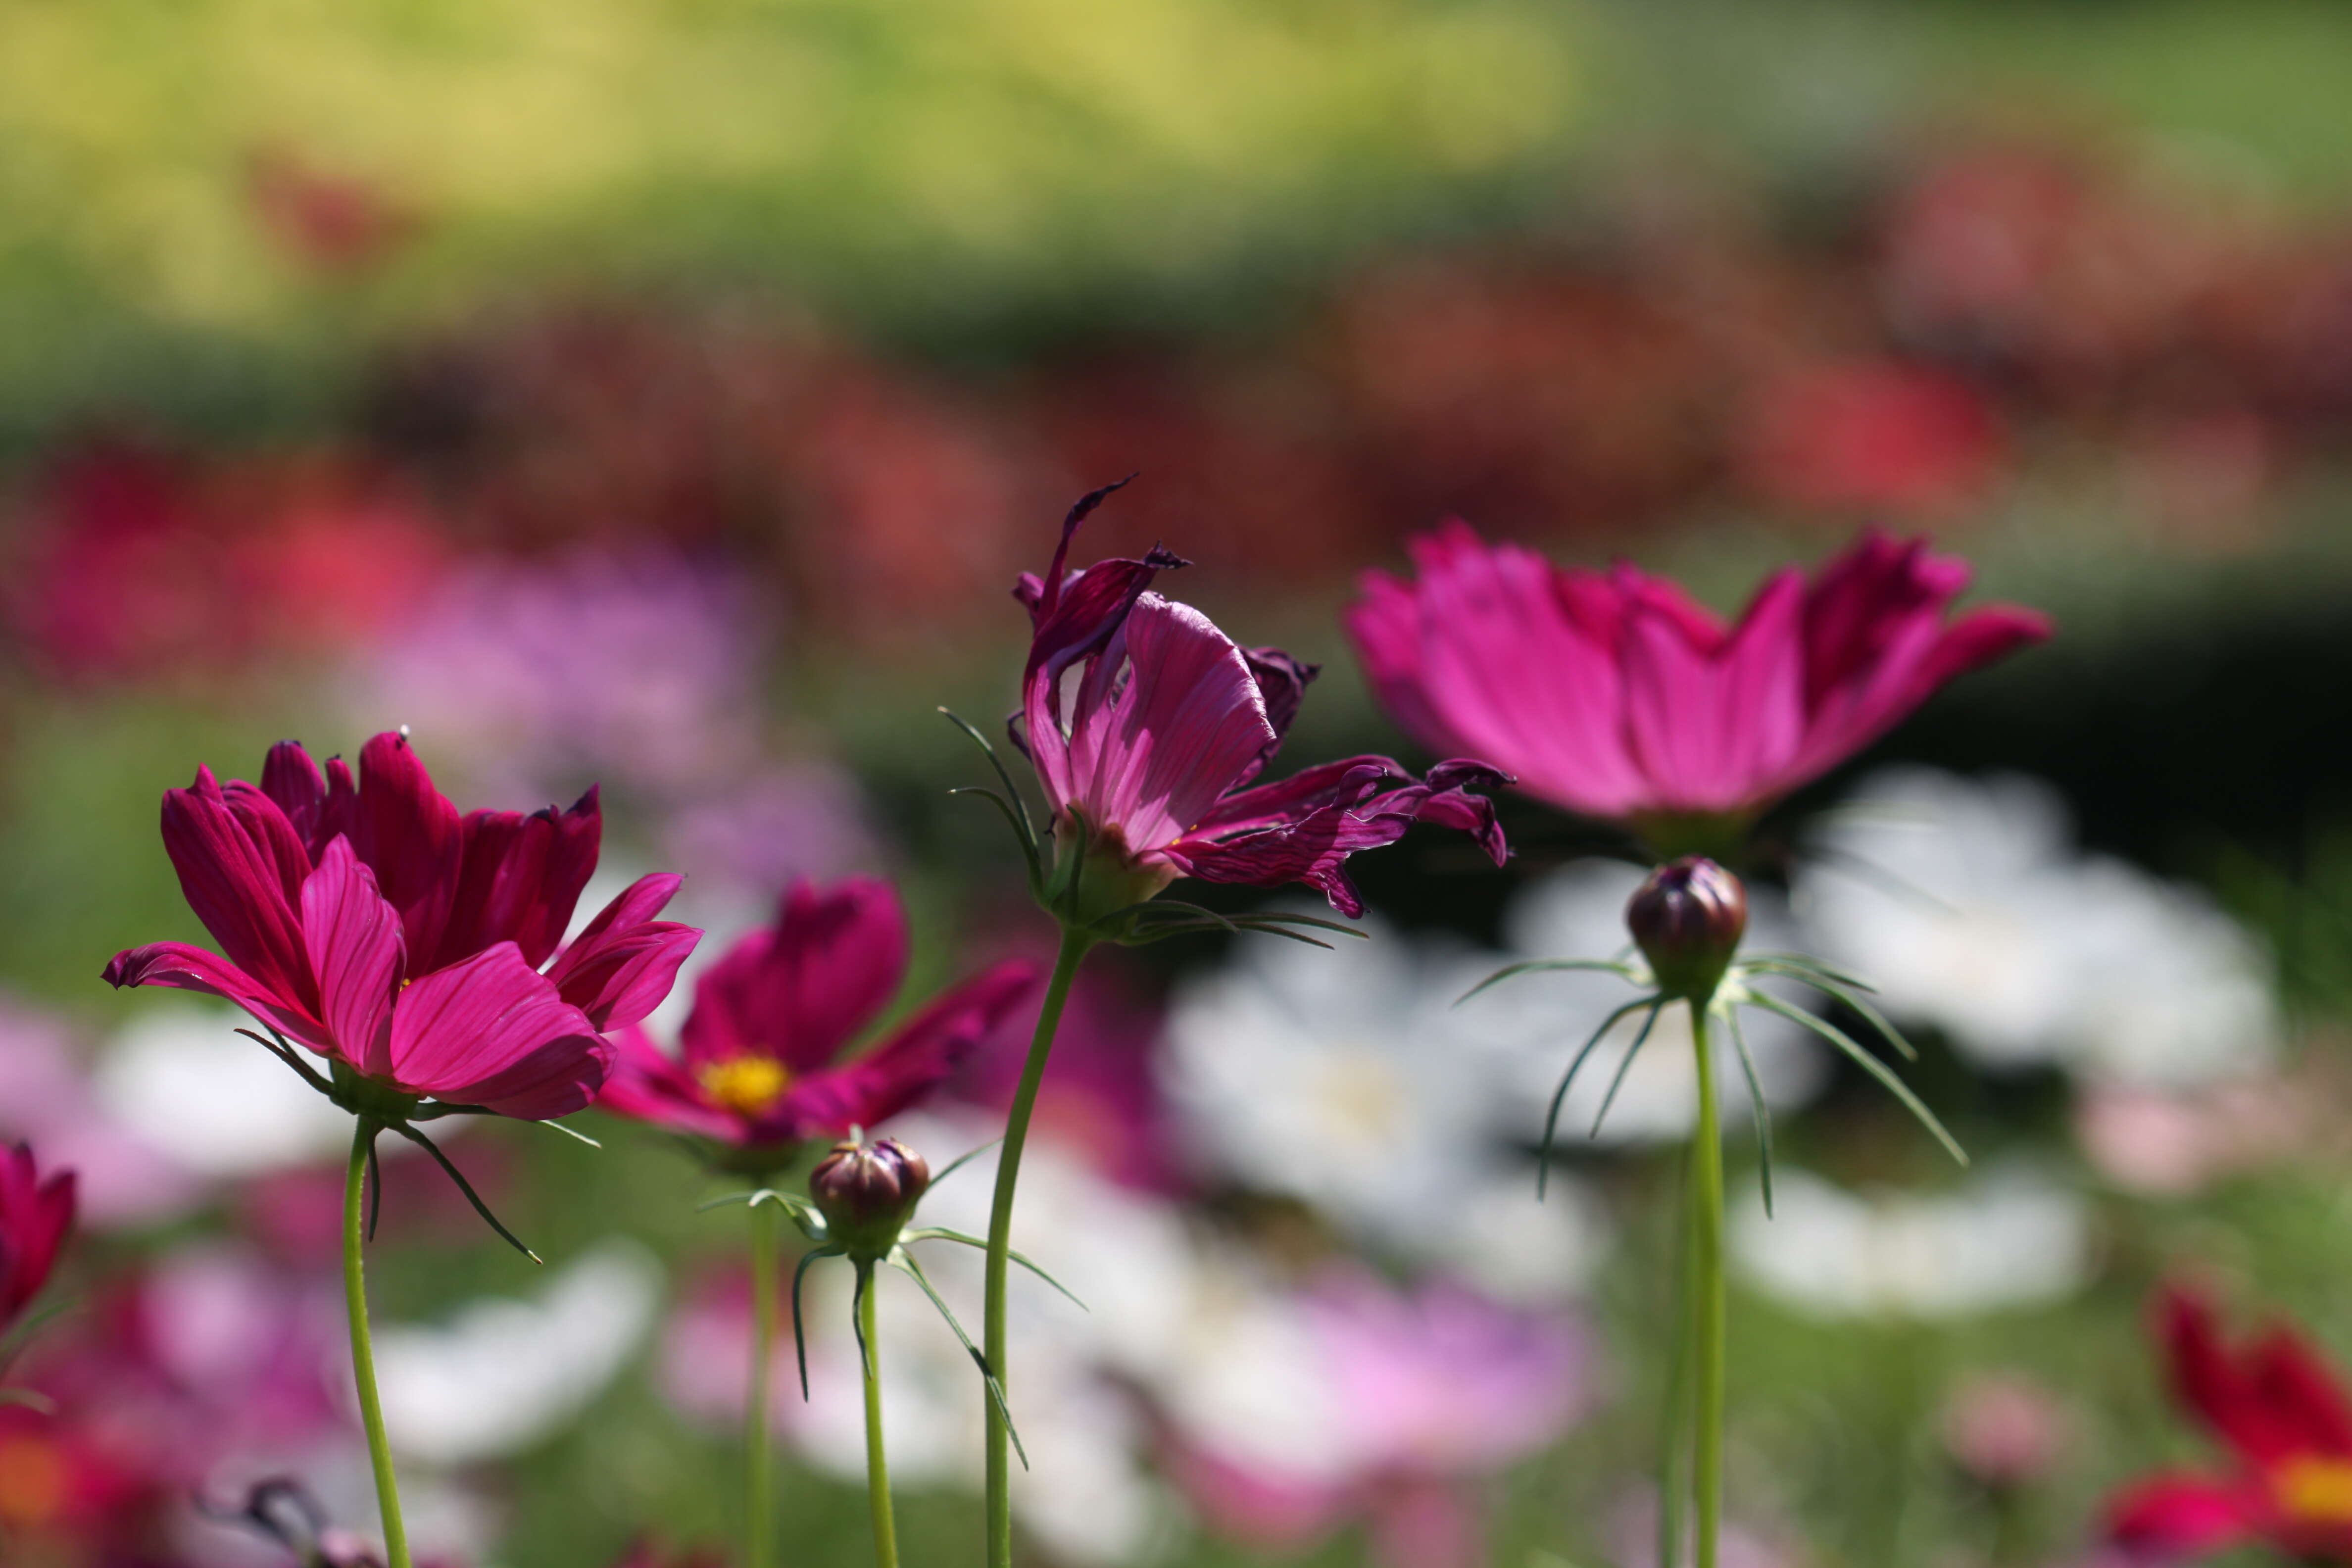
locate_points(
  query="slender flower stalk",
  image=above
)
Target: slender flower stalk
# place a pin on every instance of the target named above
(387, 1485)
(1706, 1313)
(1075, 943)
(759, 1475)
(878, 1465)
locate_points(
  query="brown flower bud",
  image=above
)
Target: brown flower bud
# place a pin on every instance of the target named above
(866, 1193)
(1687, 919)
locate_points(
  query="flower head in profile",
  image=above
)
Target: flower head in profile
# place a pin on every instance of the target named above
(2285, 1417)
(1614, 695)
(1149, 728)
(34, 1216)
(766, 1058)
(419, 951)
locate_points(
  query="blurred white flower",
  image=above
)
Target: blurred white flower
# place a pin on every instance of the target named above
(2010, 1237)
(215, 1103)
(502, 1374)
(1965, 903)
(1535, 1023)
(46, 1099)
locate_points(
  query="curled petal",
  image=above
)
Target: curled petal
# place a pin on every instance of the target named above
(626, 962)
(178, 966)
(235, 880)
(493, 1032)
(1347, 782)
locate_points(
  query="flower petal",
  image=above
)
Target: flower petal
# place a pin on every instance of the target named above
(519, 878)
(493, 1032)
(626, 962)
(291, 779)
(649, 1085)
(178, 966)
(232, 862)
(799, 991)
(908, 1065)
(2172, 1516)
(407, 832)
(354, 942)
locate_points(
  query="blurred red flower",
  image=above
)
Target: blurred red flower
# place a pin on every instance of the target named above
(34, 1216)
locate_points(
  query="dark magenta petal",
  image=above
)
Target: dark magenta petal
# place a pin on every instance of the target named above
(236, 883)
(1282, 683)
(648, 1085)
(408, 833)
(799, 991)
(626, 962)
(34, 1216)
(2180, 1516)
(913, 1061)
(520, 877)
(292, 780)
(355, 952)
(177, 966)
(492, 1031)
(1344, 782)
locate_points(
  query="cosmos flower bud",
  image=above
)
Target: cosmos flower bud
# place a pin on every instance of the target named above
(866, 1193)
(1687, 920)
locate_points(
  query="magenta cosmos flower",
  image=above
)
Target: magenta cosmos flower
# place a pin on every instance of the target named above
(409, 945)
(34, 1216)
(763, 1064)
(1614, 695)
(1148, 726)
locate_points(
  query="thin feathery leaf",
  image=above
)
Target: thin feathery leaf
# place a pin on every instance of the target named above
(1283, 917)
(1870, 1012)
(1023, 825)
(1756, 1106)
(723, 1201)
(1808, 962)
(799, 1340)
(1868, 1063)
(1013, 819)
(1617, 1080)
(286, 1053)
(905, 1260)
(966, 1158)
(1864, 869)
(940, 1233)
(1559, 1095)
(865, 1272)
(464, 1187)
(1539, 966)
(573, 1132)
(1288, 934)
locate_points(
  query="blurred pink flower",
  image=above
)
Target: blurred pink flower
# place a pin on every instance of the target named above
(2003, 1429)
(369, 923)
(46, 1099)
(763, 1062)
(1148, 724)
(1613, 695)
(2172, 1143)
(35, 1215)
(1435, 1388)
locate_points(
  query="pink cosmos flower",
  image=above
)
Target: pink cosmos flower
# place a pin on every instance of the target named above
(34, 1216)
(2285, 1417)
(763, 1062)
(372, 923)
(1614, 695)
(1148, 725)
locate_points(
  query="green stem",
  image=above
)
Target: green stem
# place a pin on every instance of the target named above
(877, 1467)
(387, 1486)
(1674, 1458)
(759, 1522)
(1706, 1286)
(1074, 943)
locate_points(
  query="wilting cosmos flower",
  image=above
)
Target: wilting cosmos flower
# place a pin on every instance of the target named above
(2285, 1417)
(762, 1066)
(34, 1216)
(1614, 695)
(1147, 724)
(371, 923)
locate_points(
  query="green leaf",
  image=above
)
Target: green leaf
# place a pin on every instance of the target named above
(1022, 824)
(473, 1197)
(1823, 982)
(799, 1340)
(287, 1054)
(1870, 1064)
(940, 1233)
(966, 1158)
(903, 1259)
(1756, 1106)
(1559, 1095)
(1617, 1080)
(1539, 966)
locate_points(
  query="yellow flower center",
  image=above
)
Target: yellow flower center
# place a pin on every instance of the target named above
(32, 1482)
(2316, 1490)
(745, 1085)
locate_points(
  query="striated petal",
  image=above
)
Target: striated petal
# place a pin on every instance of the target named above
(1344, 782)
(1714, 728)
(408, 833)
(896, 1073)
(291, 779)
(492, 1031)
(648, 1085)
(1282, 683)
(626, 962)
(519, 878)
(1186, 727)
(177, 966)
(799, 991)
(236, 883)
(355, 952)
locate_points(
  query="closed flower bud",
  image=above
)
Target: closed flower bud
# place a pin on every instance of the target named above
(866, 1193)
(1687, 920)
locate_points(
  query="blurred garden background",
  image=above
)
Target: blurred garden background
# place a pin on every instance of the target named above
(665, 397)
